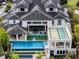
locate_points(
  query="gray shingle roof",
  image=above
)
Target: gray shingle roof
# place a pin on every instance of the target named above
(16, 30)
(37, 10)
(22, 4)
(37, 14)
(13, 16)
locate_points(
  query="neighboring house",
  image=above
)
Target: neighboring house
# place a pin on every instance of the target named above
(33, 17)
(2, 1)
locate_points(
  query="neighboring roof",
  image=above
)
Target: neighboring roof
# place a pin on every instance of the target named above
(16, 30)
(2, 1)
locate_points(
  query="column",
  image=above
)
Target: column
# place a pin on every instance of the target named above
(17, 37)
(25, 37)
(28, 27)
(55, 44)
(45, 27)
(64, 44)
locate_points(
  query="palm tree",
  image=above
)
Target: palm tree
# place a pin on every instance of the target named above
(68, 56)
(77, 51)
(40, 55)
(1, 49)
(1, 19)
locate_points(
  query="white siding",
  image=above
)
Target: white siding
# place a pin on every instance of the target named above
(47, 9)
(24, 23)
(26, 9)
(49, 23)
(16, 21)
(55, 22)
(63, 22)
(10, 21)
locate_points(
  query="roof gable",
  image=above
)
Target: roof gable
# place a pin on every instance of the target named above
(36, 14)
(58, 17)
(13, 17)
(16, 30)
(22, 4)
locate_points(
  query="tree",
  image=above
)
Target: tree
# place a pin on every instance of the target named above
(4, 39)
(40, 55)
(68, 56)
(76, 32)
(1, 50)
(77, 52)
(1, 19)
(8, 7)
(62, 2)
(13, 56)
(77, 3)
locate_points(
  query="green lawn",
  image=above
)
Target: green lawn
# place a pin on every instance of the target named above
(72, 2)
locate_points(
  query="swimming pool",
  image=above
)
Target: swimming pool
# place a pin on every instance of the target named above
(28, 45)
(25, 56)
(62, 33)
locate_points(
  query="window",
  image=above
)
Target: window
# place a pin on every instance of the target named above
(13, 35)
(57, 52)
(28, 22)
(59, 22)
(36, 22)
(60, 52)
(22, 9)
(14, 21)
(44, 22)
(51, 9)
(63, 52)
(60, 44)
(67, 44)
(53, 22)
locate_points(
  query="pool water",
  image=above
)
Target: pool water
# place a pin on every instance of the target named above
(24, 56)
(62, 33)
(28, 44)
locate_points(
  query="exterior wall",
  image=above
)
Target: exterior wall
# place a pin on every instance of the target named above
(24, 24)
(2, 57)
(12, 21)
(18, 10)
(54, 10)
(49, 24)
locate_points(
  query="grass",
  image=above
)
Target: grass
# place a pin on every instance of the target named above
(72, 2)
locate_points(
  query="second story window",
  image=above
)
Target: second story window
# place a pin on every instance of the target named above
(59, 22)
(51, 9)
(22, 9)
(14, 21)
(53, 22)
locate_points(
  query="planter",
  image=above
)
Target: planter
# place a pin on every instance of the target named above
(2, 57)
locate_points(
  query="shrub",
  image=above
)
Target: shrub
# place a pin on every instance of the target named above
(13, 56)
(62, 2)
(4, 39)
(77, 3)
(8, 7)
(1, 50)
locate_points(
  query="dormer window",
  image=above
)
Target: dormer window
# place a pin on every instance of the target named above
(22, 9)
(51, 9)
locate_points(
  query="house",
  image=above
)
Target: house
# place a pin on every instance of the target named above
(39, 18)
